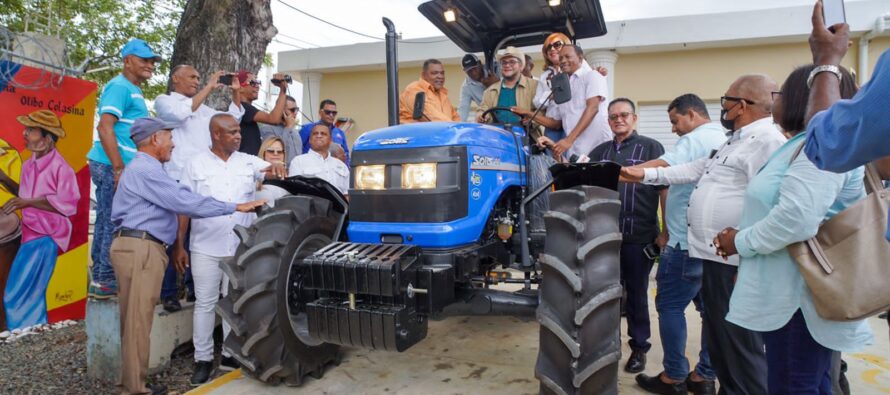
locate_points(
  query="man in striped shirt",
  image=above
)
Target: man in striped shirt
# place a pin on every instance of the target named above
(638, 222)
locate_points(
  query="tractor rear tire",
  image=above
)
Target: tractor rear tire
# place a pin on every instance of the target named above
(580, 345)
(267, 338)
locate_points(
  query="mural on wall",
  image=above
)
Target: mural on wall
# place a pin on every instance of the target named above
(45, 134)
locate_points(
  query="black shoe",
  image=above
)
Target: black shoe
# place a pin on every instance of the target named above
(656, 386)
(636, 363)
(190, 297)
(171, 305)
(157, 389)
(704, 387)
(203, 369)
(228, 364)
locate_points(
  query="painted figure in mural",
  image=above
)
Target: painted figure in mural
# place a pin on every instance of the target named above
(10, 224)
(47, 195)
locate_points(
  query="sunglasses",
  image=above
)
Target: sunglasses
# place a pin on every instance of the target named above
(274, 151)
(557, 45)
(622, 115)
(253, 83)
(330, 112)
(294, 109)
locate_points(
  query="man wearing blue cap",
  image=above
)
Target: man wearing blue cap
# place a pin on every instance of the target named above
(144, 215)
(120, 104)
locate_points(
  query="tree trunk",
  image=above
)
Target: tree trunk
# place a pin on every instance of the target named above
(226, 35)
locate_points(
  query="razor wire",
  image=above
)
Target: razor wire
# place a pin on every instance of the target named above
(12, 49)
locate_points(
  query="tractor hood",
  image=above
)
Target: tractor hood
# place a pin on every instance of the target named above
(435, 134)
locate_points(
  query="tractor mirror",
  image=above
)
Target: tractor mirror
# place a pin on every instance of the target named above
(419, 100)
(559, 85)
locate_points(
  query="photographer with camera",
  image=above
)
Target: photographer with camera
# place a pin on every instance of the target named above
(184, 106)
(250, 90)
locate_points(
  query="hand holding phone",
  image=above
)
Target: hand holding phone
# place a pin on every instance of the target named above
(833, 13)
(225, 79)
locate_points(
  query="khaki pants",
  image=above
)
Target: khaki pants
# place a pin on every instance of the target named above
(139, 268)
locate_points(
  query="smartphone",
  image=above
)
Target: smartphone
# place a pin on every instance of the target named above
(833, 12)
(226, 79)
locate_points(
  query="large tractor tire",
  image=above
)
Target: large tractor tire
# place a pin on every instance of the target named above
(265, 305)
(580, 344)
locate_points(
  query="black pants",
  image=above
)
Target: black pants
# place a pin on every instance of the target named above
(737, 354)
(635, 268)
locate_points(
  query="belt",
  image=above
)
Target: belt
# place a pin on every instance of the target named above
(138, 234)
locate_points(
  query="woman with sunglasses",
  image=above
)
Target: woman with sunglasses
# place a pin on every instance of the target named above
(785, 203)
(272, 151)
(552, 45)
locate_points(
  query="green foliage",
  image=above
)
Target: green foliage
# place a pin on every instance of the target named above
(96, 30)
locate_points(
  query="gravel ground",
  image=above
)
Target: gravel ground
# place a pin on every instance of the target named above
(55, 362)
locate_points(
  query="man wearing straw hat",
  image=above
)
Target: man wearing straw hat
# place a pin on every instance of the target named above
(47, 195)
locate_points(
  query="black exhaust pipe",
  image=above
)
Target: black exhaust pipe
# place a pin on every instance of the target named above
(392, 72)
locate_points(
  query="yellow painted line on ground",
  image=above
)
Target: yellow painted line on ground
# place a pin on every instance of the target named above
(216, 383)
(874, 360)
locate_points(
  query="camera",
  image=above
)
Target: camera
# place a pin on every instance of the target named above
(225, 79)
(287, 79)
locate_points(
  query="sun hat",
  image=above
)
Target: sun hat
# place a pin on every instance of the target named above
(43, 119)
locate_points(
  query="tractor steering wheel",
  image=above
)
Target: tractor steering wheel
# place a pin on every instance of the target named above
(494, 116)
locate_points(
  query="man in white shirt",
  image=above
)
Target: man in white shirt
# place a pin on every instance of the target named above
(222, 173)
(184, 106)
(319, 163)
(737, 354)
(584, 117)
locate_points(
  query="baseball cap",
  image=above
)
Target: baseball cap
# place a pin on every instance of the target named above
(144, 128)
(139, 48)
(469, 61)
(513, 52)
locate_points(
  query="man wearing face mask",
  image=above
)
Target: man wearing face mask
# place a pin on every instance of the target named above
(736, 353)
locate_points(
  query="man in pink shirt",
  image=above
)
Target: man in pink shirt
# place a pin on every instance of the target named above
(47, 195)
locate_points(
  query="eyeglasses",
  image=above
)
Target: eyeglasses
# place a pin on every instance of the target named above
(775, 95)
(725, 99)
(274, 151)
(557, 45)
(622, 115)
(330, 112)
(510, 62)
(253, 83)
(294, 109)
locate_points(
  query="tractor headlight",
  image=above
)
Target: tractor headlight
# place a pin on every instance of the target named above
(370, 177)
(419, 176)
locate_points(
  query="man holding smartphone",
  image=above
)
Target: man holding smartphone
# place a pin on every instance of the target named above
(184, 106)
(250, 90)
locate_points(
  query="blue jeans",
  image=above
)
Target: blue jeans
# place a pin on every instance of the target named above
(101, 271)
(796, 363)
(679, 281)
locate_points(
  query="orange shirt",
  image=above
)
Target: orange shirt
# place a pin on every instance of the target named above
(437, 107)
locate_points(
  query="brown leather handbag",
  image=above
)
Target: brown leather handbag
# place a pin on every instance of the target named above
(847, 264)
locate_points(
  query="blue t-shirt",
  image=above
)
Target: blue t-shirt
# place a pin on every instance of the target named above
(125, 101)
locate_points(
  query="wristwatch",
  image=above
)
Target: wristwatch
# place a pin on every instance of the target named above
(821, 69)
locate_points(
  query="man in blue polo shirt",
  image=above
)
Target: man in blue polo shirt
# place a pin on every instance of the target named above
(679, 275)
(120, 104)
(327, 114)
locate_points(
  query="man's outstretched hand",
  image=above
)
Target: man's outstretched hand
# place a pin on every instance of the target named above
(249, 206)
(828, 43)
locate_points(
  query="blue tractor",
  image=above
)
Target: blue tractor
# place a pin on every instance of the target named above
(437, 213)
